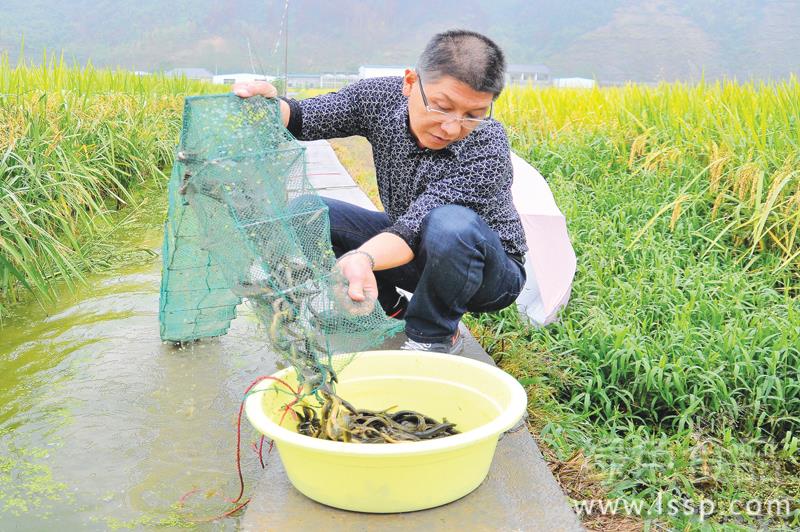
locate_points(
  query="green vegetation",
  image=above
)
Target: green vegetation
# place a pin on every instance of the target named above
(76, 146)
(724, 151)
(675, 369)
(26, 485)
(673, 374)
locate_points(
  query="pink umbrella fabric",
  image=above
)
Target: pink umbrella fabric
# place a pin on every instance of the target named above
(550, 262)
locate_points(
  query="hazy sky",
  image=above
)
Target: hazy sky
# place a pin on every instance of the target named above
(643, 40)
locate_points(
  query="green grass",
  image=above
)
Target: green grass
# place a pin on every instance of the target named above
(75, 145)
(728, 150)
(676, 366)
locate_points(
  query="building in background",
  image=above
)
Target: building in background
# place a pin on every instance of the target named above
(378, 71)
(230, 79)
(337, 80)
(303, 80)
(580, 83)
(190, 73)
(527, 75)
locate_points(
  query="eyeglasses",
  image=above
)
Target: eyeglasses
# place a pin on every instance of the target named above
(468, 123)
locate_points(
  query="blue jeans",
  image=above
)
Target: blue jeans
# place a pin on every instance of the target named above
(460, 266)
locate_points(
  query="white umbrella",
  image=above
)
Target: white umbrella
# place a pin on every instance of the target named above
(550, 262)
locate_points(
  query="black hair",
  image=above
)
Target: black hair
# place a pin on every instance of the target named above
(467, 56)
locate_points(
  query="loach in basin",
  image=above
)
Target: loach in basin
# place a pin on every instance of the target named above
(481, 400)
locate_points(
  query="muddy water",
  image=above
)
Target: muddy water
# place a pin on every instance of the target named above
(104, 426)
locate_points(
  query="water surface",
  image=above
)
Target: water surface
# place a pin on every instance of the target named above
(104, 426)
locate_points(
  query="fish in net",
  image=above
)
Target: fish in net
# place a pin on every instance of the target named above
(245, 223)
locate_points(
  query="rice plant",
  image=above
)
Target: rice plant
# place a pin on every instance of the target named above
(683, 202)
(733, 148)
(675, 368)
(75, 143)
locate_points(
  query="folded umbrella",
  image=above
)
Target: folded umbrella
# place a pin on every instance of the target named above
(550, 262)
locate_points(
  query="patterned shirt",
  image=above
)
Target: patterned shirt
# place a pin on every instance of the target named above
(474, 172)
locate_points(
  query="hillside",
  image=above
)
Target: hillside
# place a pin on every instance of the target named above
(617, 40)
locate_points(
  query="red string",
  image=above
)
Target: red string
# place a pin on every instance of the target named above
(239, 428)
(286, 410)
(221, 516)
(260, 451)
(187, 495)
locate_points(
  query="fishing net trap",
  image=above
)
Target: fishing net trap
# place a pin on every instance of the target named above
(244, 223)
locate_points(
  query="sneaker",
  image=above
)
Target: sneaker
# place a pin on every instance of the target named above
(452, 347)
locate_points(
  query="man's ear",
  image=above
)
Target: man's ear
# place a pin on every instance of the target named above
(409, 79)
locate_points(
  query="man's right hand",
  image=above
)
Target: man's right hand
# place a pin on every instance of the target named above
(246, 89)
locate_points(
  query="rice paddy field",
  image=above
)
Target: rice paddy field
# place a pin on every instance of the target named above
(674, 372)
(80, 150)
(671, 381)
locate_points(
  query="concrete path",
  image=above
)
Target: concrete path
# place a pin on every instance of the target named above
(519, 493)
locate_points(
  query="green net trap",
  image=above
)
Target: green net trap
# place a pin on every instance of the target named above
(244, 223)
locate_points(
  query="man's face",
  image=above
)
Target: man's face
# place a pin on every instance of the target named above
(433, 130)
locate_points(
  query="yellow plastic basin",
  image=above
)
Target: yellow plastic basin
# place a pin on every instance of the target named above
(481, 399)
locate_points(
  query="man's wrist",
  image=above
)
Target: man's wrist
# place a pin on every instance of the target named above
(360, 252)
(295, 122)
